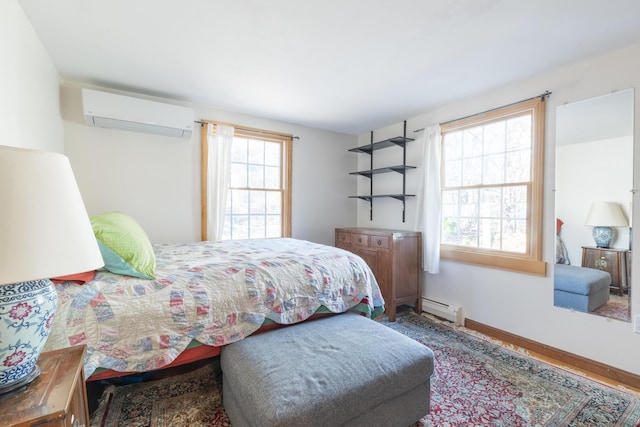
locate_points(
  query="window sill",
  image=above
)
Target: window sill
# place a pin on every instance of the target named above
(499, 260)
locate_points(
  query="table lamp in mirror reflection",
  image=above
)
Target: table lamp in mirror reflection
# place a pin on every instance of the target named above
(603, 216)
(44, 233)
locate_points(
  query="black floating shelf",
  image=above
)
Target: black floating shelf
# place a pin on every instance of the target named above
(378, 196)
(400, 169)
(391, 142)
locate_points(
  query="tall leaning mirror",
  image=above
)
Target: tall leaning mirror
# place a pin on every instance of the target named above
(593, 202)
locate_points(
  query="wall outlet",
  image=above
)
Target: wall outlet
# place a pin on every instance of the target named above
(636, 323)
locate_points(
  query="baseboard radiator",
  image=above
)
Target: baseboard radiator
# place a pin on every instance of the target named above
(452, 313)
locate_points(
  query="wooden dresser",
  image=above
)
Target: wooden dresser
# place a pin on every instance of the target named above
(395, 257)
(56, 398)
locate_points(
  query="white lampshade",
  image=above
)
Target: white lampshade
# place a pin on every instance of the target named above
(44, 227)
(606, 214)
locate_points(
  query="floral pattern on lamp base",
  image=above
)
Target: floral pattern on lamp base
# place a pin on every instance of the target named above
(602, 236)
(27, 311)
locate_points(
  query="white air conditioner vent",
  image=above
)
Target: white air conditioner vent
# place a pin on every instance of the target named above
(109, 110)
(452, 313)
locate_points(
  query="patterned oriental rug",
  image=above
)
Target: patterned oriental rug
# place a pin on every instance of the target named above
(616, 308)
(476, 383)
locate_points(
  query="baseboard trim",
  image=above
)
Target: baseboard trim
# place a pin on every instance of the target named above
(564, 357)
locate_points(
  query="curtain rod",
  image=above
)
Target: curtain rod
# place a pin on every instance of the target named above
(542, 97)
(264, 132)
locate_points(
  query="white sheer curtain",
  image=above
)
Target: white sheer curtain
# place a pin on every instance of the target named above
(429, 199)
(218, 177)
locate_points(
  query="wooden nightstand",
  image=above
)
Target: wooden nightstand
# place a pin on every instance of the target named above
(613, 261)
(58, 397)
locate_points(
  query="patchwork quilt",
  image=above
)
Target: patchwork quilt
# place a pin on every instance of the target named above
(213, 292)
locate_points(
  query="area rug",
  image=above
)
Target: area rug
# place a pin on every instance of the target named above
(191, 399)
(616, 308)
(476, 383)
(480, 383)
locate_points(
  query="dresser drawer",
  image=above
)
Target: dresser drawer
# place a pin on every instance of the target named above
(358, 239)
(381, 242)
(343, 237)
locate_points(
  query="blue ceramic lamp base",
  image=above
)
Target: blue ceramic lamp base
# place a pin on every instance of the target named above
(27, 311)
(602, 236)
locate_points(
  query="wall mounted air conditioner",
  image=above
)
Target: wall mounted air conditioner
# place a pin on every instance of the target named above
(109, 110)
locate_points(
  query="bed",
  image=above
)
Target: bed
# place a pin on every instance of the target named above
(206, 295)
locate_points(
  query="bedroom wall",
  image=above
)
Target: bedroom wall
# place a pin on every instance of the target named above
(156, 179)
(29, 105)
(519, 303)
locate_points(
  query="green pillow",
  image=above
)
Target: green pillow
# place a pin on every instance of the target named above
(124, 245)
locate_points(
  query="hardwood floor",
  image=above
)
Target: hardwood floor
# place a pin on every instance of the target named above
(596, 370)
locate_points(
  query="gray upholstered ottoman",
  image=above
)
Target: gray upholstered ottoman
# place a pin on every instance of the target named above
(344, 370)
(580, 288)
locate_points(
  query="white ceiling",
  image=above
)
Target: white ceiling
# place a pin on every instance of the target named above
(343, 65)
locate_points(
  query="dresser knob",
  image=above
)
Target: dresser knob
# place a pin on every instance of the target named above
(379, 242)
(359, 239)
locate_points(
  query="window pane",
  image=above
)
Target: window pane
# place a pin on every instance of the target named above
(472, 142)
(257, 227)
(239, 150)
(519, 166)
(226, 229)
(494, 138)
(239, 202)
(256, 176)
(515, 202)
(468, 232)
(256, 151)
(490, 202)
(257, 202)
(453, 174)
(274, 228)
(272, 154)
(452, 146)
(490, 234)
(519, 133)
(514, 236)
(274, 201)
(240, 227)
(238, 176)
(472, 171)
(493, 169)
(450, 231)
(469, 203)
(450, 205)
(271, 177)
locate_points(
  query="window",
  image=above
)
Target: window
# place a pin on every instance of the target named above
(492, 173)
(258, 199)
(259, 193)
(259, 196)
